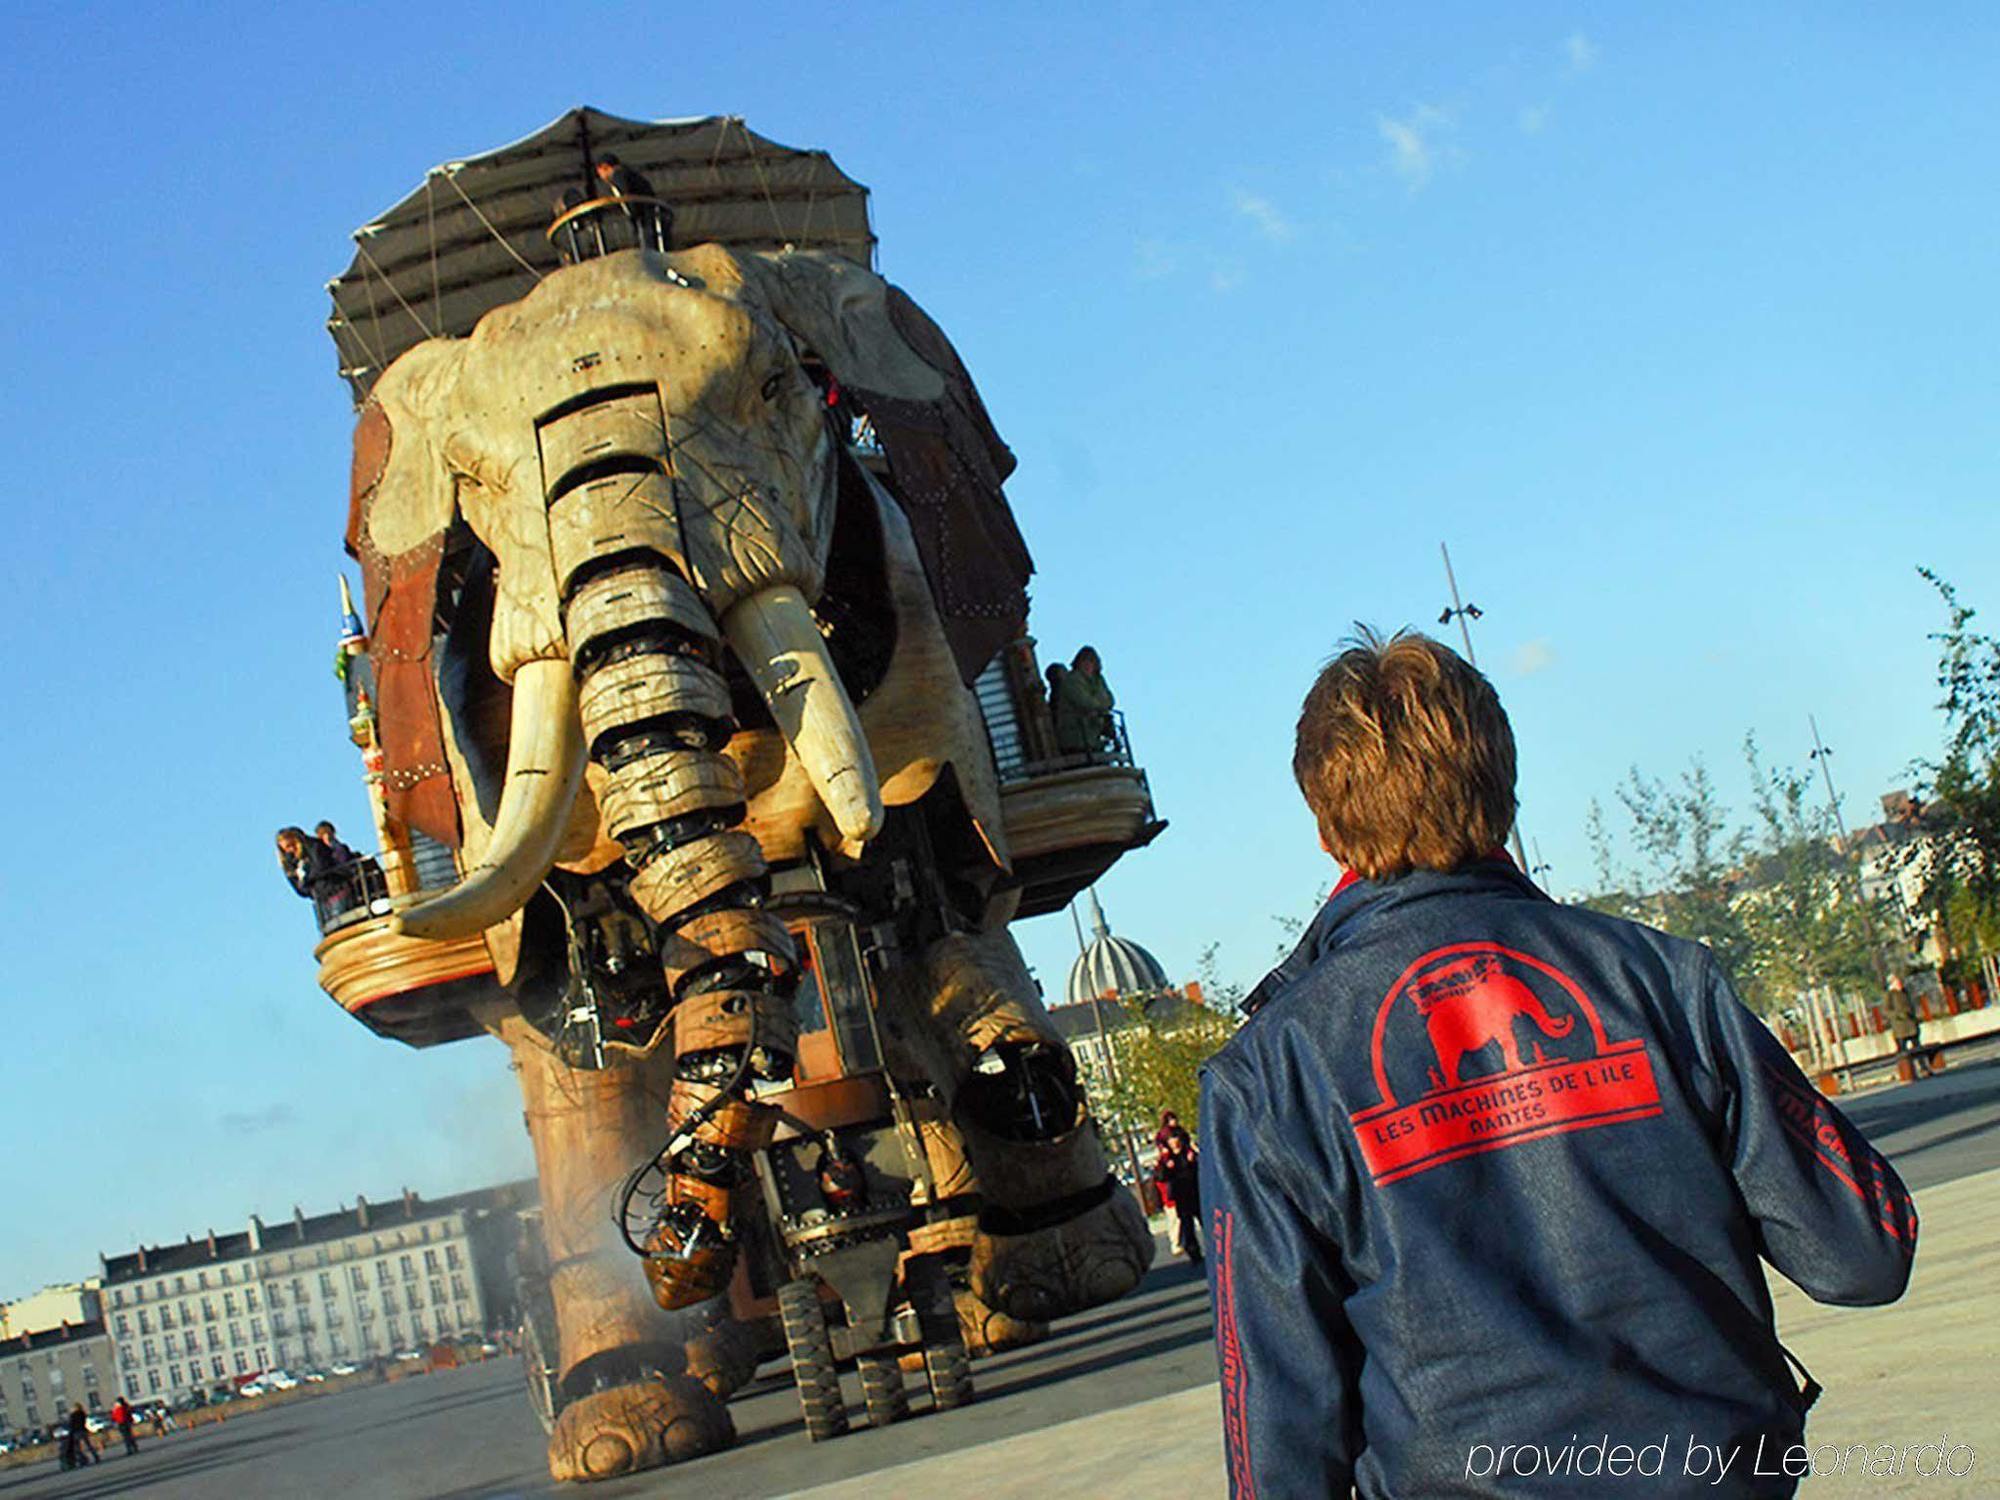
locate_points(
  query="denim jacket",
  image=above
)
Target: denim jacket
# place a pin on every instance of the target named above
(1488, 1170)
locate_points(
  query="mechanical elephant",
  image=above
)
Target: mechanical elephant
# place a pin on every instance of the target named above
(677, 677)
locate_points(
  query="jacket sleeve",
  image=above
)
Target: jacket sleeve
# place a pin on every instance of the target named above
(1831, 1213)
(1288, 1358)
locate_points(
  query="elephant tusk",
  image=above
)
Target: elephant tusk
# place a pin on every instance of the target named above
(775, 637)
(544, 769)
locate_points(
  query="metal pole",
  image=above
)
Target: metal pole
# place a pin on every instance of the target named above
(1457, 608)
(1465, 634)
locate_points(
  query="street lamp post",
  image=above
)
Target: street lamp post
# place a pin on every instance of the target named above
(1463, 612)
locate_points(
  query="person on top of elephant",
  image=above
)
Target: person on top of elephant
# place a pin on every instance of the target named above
(1487, 1175)
(1082, 702)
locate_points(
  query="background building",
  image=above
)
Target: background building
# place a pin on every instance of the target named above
(45, 1373)
(51, 1307)
(349, 1285)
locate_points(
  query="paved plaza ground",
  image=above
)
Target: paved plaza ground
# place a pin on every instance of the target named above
(1122, 1402)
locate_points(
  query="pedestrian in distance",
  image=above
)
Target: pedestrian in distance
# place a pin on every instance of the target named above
(122, 1418)
(1487, 1177)
(1904, 1028)
(77, 1448)
(1178, 1173)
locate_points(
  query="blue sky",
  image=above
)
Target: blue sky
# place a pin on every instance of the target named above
(1679, 330)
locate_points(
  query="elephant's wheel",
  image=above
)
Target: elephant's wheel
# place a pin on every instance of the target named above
(812, 1359)
(538, 1352)
(882, 1389)
(946, 1364)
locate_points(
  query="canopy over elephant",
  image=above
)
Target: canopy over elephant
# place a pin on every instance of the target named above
(682, 680)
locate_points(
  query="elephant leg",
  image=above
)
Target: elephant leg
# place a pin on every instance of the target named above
(1056, 1232)
(630, 1401)
(656, 714)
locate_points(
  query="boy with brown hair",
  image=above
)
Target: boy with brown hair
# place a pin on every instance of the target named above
(1488, 1177)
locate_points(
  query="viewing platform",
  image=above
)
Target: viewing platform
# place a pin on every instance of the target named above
(1068, 815)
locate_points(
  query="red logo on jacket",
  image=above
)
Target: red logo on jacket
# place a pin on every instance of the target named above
(1491, 1047)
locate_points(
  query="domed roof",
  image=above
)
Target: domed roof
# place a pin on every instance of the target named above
(1112, 965)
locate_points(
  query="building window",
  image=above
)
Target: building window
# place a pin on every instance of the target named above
(180, 1284)
(146, 1349)
(430, 1260)
(225, 1276)
(319, 1256)
(124, 1325)
(409, 1268)
(388, 1299)
(173, 1345)
(235, 1334)
(242, 1363)
(417, 1329)
(263, 1359)
(356, 1277)
(152, 1382)
(207, 1311)
(326, 1288)
(250, 1298)
(200, 1279)
(229, 1304)
(339, 1347)
(117, 1299)
(437, 1293)
(299, 1290)
(451, 1256)
(278, 1324)
(145, 1321)
(214, 1339)
(174, 1376)
(395, 1331)
(256, 1328)
(381, 1273)
(216, 1364)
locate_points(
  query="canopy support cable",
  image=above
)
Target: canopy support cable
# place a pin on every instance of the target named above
(505, 243)
(400, 299)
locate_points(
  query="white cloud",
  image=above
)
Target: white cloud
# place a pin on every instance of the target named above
(1535, 118)
(1533, 656)
(1263, 213)
(1154, 259)
(1581, 52)
(1226, 277)
(1416, 144)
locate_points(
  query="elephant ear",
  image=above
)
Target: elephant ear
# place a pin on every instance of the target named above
(947, 460)
(400, 510)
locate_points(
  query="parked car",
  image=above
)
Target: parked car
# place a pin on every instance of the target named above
(314, 1377)
(281, 1380)
(343, 1368)
(97, 1422)
(254, 1388)
(487, 1346)
(409, 1354)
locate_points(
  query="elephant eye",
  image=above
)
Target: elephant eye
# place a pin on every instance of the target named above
(772, 385)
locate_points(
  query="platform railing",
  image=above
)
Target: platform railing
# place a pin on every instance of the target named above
(367, 886)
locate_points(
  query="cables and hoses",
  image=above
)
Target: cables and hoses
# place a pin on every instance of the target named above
(681, 1137)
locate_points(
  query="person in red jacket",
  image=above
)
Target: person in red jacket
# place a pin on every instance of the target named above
(1488, 1178)
(121, 1418)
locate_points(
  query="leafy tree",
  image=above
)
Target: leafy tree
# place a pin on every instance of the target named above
(1959, 794)
(1691, 856)
(1157, 1054)
(1801, 907)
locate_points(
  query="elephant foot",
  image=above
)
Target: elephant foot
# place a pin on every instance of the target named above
(1085, 1260)
(628, 1428)
(986, 1330)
